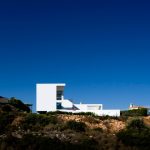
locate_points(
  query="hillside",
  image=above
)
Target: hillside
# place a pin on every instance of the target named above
(52, 131)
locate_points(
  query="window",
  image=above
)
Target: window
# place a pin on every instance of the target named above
(59, 106)
(59, 95)
(94, 107)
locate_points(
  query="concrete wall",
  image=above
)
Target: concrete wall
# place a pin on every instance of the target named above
(66, 103)
(81, 106)
(110, 112)
(45, 97)
(89, 106)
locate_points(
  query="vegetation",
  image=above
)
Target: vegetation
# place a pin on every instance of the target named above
(136, 134)
(76, 126)
(7, 108)
(135, 112)
(37, 121)
(68, 131)
(19, 105)
(31, 142)
(5, 121)
(70, 113)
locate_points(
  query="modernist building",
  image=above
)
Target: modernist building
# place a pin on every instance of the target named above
(50, 97)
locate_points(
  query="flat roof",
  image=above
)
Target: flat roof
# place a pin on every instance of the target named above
(89, 104)
(56, 84)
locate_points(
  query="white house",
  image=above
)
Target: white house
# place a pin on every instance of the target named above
(50, 97)
(133, 107)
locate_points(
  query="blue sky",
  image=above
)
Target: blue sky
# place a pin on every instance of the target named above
(100, 49)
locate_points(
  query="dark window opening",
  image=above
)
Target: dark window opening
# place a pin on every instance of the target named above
(59, 95)
(59, 106)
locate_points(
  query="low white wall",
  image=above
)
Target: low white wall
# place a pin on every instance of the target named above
(81, 106)
(113, 112)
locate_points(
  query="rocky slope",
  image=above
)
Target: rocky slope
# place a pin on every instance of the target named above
(111, 125)
(79, 131)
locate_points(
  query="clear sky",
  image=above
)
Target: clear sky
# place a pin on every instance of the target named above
(100, 49)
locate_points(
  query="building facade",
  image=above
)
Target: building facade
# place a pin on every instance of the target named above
(50, 97)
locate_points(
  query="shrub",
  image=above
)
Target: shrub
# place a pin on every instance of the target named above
(85, 113)
(32, 142)
(89, 144)
(108, 117)
(7, 108)
(9, 143)
(19, 105)
(5, 121)
(40, 143)
(136, 124)
(135, 112)
(98, 129)
(136, 134)
(32, 121)
(58, 112)
(70, 113)
(76, 126)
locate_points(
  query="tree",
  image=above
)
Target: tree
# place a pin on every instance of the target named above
(18, 104)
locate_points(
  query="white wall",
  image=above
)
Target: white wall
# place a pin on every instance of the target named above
(112, 112)
(81, 106)
(93, 108)
(66, 103)
(45, 97)
(89, 106)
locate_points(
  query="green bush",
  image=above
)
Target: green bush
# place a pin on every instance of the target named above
(5, 121)
(35, 142)
(19, 105)
(58, 112)
(32, 121)
(70, 113)
(31, 142)
(7, 108)
(135, 112)
(76, 126)
(136, 124)
(136, 134)
(85, 114)
(40, 143)
(89, 144)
